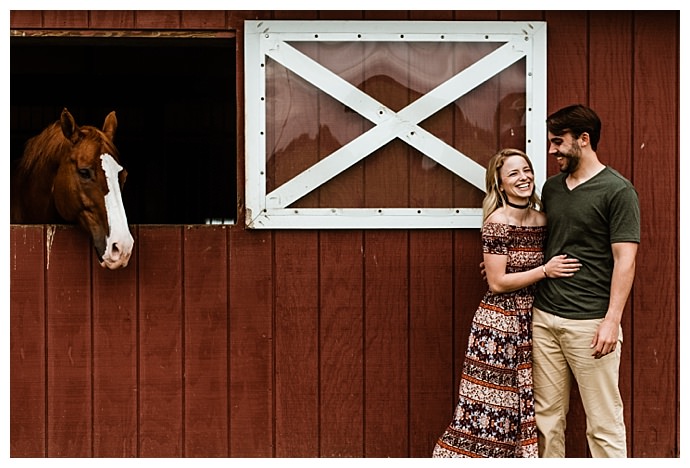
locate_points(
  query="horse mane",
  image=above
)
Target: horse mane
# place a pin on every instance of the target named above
(45, 148)
(48, 147)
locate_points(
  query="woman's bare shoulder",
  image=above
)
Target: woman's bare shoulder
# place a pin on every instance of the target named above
(497, 217)
(538, 218)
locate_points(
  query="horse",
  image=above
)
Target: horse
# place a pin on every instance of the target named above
(72, 174)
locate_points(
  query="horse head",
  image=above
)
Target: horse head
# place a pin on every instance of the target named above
(86, 186)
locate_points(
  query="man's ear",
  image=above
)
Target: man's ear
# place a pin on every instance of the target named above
(584, 137)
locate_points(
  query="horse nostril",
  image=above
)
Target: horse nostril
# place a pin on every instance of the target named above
(115, 251)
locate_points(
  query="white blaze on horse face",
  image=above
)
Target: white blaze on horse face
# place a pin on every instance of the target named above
(119, 243)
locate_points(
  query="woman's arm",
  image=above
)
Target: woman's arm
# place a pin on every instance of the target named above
(560, 266)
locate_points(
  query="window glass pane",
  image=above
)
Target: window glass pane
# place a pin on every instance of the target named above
(305, 124)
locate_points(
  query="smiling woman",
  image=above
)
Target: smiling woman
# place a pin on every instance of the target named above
(495, 414)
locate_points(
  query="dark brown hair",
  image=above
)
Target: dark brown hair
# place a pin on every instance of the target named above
(576, 119)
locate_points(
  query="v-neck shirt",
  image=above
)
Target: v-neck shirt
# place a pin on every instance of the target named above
(583, 222)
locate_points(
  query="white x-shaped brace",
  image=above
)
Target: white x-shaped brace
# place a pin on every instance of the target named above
(388, 124)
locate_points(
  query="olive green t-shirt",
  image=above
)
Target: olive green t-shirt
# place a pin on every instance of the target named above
(583, 223)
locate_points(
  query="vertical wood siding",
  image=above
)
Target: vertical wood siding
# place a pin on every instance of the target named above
(222, 342)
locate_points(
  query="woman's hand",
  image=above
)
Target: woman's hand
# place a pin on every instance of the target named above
(561, 266)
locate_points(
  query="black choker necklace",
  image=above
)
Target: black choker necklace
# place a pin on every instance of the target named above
(519, 207)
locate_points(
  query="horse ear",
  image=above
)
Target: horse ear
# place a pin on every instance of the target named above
(110, 125)
(69, 126)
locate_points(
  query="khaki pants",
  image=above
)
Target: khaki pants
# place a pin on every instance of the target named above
(562, 346)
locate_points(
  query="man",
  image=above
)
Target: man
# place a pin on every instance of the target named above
(593, 215)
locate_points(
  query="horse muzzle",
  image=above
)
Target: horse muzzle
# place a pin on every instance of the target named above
(117, 253)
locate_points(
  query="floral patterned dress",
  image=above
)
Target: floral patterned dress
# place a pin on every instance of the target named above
(495, 412)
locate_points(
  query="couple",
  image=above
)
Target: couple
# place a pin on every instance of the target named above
(541, 321)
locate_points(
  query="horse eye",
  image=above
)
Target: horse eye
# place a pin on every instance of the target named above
(84, 173)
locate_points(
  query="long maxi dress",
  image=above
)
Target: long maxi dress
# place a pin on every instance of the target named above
(494, 417)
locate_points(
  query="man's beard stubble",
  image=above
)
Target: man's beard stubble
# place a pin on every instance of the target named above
(573, 160)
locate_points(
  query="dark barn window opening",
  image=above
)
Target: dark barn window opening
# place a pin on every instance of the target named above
(176, 108)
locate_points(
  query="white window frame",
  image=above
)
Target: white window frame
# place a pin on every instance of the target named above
(271, 39)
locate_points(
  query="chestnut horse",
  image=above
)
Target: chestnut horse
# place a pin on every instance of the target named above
(71, 174)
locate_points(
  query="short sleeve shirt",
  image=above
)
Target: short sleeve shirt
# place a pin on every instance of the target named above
(583, 223)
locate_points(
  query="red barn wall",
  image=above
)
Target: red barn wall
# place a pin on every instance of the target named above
(219, 341)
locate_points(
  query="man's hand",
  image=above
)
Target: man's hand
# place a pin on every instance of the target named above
(605, 339)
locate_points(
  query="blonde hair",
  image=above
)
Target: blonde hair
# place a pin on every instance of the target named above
(494, 197)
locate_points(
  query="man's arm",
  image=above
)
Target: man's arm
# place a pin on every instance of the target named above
(606, 337)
